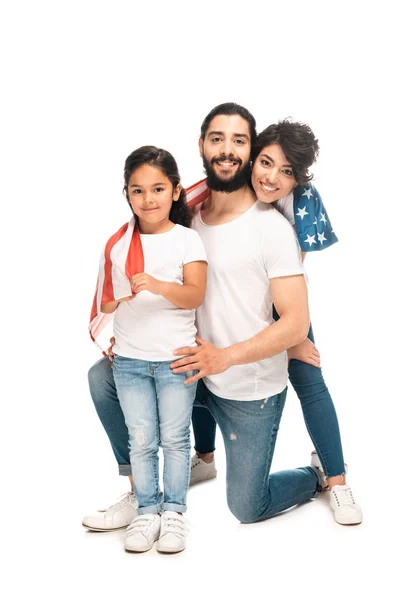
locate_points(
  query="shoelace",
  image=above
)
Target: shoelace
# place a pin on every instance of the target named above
(174, 525)
(195, 463)
(141, 524)
(343, 496)
(122, 501)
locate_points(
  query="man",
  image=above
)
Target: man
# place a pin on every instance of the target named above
(254, 262)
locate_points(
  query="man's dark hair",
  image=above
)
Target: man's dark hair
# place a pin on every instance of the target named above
(230, 108)
(298, 143)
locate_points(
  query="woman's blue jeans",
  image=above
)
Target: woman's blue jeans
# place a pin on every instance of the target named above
(157, 407)
(318, 411)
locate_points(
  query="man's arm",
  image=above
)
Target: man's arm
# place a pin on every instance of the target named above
(289, 294)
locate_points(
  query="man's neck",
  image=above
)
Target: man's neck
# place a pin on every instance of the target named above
(222, 207)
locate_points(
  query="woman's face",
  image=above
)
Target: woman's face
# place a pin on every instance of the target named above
(272, 175)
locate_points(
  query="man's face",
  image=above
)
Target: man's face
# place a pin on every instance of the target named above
(226, 153)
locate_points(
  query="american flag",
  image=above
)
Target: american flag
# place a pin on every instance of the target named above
(313, 227)
(123, 255)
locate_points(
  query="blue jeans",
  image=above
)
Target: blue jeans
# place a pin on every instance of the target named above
(318, 412)
(157, 407)
(249, 431)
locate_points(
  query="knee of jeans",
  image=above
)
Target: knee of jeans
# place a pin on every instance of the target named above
(141, 441)
(177, 441)
(98, 377)
(243, 510)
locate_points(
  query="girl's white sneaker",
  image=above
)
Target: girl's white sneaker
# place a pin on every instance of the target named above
(142, 533)
(173, 532)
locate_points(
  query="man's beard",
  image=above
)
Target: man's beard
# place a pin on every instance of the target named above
(241, 178)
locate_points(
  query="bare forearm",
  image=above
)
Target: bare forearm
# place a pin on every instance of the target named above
(110, 307)
(279, 336)
(185, 296)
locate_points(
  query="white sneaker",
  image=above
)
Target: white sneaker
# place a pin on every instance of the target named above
(200, 470)
(116, 516)
(345, 509)
(173, 532)
(142, 533)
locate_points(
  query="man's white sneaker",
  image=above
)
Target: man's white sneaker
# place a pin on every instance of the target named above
(200, 470)
(142, 533)
(116, 516)
(173, 532)
(345, 509)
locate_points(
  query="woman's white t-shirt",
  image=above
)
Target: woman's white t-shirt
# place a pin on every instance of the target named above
(149, 327)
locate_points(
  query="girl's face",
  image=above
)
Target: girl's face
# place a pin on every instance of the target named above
(272, 175)
(151, 195)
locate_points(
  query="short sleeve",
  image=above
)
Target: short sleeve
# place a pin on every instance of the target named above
(195, 250)
(281, 251)
(285, 207)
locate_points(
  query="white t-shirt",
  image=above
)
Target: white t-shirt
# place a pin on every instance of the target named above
(285, 207)
(149, 327)
(243, 255)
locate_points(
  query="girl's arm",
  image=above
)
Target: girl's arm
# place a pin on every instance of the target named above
(110, 307)
(189, 295)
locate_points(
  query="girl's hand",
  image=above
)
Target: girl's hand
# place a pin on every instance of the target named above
(306, 352)
(142, 281)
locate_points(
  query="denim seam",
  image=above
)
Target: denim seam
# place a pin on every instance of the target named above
(269, 459)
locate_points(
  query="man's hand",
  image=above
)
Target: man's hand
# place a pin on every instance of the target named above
(110, 352)
(306, 352)
(142, 281)
(205, 358)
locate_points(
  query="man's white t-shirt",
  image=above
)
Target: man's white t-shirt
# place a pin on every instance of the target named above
(243, 255)
(149, 327)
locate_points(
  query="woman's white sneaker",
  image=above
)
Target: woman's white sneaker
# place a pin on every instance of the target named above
(116, 516)
(345, 509)
(200, 470)
(173, 532)
(142, 533)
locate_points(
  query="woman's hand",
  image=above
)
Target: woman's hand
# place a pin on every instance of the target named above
(306, 352)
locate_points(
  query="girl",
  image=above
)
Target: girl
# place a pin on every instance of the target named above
(154, 315)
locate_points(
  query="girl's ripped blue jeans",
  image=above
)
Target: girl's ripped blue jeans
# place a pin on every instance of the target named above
(157, 407)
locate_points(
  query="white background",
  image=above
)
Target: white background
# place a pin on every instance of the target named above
(84, 84)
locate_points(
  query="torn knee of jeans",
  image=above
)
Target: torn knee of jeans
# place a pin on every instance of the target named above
(232, 436)
(140, 437)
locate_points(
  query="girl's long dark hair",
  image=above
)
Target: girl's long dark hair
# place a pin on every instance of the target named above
(180, 213)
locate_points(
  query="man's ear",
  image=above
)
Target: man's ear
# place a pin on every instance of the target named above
(201, 147)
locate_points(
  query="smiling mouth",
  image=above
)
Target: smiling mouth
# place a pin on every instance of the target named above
(148, 209)
(267, 188)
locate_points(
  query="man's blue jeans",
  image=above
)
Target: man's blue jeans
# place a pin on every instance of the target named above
(157, 407)
(249, 433)
(318, 411)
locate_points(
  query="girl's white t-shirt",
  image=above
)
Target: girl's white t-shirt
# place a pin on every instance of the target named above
(149, 327)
